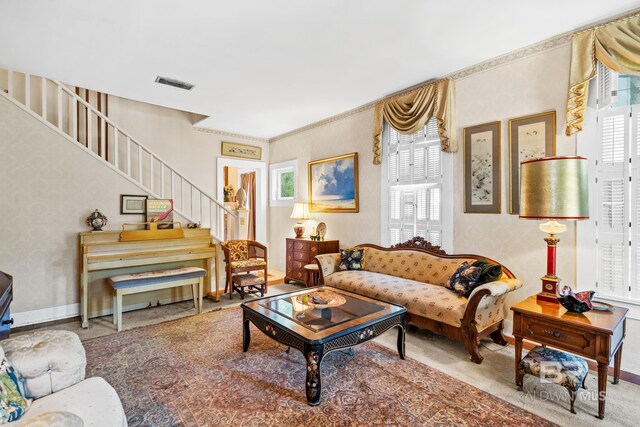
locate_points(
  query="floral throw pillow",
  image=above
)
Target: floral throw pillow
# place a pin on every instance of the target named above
(464, 280)
(12, 402)
(351, 259)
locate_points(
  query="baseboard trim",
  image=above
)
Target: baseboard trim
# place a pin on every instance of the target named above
(624, 375)
(43, 315)
(66, 312)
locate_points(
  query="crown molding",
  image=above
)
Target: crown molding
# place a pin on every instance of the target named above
(534, 49)
(230, 134)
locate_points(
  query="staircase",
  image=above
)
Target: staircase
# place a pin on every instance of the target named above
(59, 107)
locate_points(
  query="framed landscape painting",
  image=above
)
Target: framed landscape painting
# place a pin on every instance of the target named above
(482, 168)
(333, 184)
(530, 137)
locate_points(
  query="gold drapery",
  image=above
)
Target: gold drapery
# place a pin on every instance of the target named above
(410, 111)
(616, 45)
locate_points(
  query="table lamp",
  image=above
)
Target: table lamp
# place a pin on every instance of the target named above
(300, 212)
(552, 189)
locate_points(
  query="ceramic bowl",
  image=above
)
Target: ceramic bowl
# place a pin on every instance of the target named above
(579, 302)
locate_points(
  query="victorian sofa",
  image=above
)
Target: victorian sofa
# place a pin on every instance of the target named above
(53, 364)
(415, 277)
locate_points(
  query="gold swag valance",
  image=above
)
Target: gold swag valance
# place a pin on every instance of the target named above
(616, 45)
(410, 111)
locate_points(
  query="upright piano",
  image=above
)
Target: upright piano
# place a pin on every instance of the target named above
(105, 250)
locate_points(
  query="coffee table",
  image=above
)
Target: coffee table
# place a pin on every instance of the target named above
(317, 330)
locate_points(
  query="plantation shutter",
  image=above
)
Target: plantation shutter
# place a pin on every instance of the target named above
(395, 219)
(613, 193)
(634, 282)
(607, 86)
(414, 179)
(435, 215)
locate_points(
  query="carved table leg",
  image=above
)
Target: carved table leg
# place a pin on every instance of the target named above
(518, 357)
(616, 365)
(246, 333)
(401, 341)
(603, 368)
(314, 355)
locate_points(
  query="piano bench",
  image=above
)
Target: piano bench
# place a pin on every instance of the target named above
(135, 283)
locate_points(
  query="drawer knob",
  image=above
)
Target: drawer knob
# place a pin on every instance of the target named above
(555, 334)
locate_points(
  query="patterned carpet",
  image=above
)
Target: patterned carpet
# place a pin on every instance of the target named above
(192, 372)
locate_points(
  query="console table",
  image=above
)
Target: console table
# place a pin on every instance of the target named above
(301, 252)
(596, 335)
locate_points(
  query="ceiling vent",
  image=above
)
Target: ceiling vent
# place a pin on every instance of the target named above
(175, 83)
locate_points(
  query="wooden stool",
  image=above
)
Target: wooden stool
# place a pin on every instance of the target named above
(312, 274)
(558, 367)
(247, 284)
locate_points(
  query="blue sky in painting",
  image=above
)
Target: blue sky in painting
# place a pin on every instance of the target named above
(335, 179)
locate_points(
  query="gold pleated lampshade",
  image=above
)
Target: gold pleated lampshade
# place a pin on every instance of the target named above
(554, 188)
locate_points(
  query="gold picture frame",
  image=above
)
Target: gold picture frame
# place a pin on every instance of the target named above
(530, 137)
(482, 163)
(333, 184)
(242, 151)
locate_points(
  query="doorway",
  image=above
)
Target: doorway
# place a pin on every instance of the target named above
(255, 173)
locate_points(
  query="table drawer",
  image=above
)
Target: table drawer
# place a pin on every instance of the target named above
(570, 339)
(301, 256)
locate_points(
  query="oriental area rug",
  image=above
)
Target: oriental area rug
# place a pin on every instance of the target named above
(192, 372)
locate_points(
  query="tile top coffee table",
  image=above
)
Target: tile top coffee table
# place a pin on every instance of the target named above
(320, 320)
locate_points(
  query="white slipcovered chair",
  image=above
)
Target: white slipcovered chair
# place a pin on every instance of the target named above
(53, 365)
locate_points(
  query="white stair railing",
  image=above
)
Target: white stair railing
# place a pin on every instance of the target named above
(61, 109)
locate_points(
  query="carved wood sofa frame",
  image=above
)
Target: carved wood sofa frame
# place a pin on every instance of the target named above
(467, 332)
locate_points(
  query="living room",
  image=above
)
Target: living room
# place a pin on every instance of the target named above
(320, 84)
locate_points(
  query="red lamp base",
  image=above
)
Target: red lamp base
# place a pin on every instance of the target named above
(549, 290)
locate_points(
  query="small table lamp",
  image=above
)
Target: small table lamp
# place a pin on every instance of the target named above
(553, 188)
(300, 212)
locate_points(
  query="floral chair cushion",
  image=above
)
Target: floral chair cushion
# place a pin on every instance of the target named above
(557, 366)
(248, 263)
(351, 259)
(238, 249)
(464, 280)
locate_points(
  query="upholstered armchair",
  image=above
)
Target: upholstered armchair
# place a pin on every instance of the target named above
(242, 256)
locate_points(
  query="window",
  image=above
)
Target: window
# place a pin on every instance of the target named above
(283, 183)
(413, 185)
(615, 190)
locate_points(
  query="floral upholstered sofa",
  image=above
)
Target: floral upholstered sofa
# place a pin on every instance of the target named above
(415, 278)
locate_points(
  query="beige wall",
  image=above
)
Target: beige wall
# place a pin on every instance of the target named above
(170, 135)
(530, 85)
(352, 134)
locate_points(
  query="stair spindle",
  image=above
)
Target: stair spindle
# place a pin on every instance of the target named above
(89, 130)
(103, 139)
(27, 91)
(60, 108)
(43, 88)
(116, 160)
(151, 177)
(139, 164)
(10, 83)
(74, 120)
(161, 179)
(128, 156)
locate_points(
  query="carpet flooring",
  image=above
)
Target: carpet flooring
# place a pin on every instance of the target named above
(192, 372)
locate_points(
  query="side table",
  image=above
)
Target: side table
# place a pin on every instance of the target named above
(596, 335)
(312, 274)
